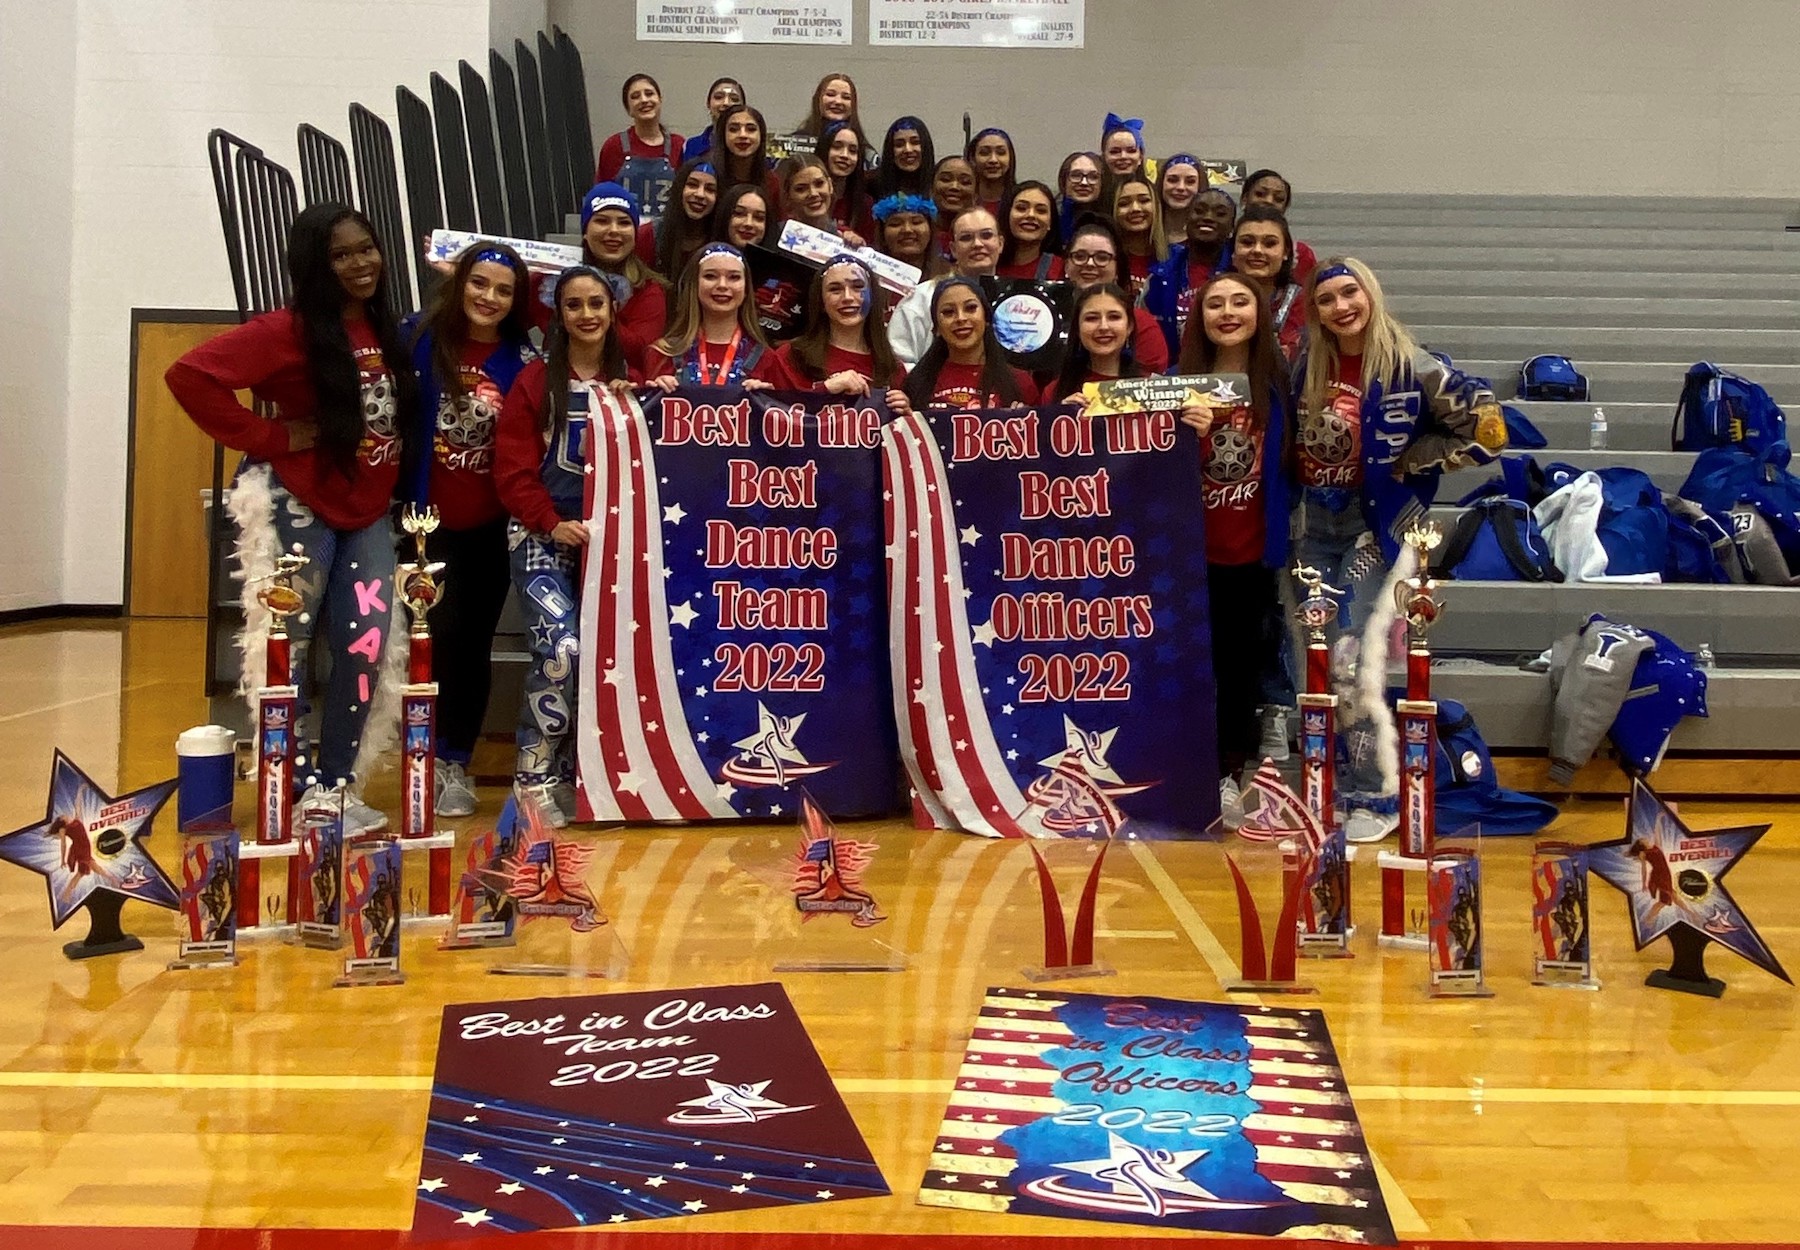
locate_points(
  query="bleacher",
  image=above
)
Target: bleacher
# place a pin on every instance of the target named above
(1635, 291)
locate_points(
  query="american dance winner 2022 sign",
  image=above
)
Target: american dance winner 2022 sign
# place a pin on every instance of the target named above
(615, 1109)
(732, 647)
(1200, 1116)
(1052, 658)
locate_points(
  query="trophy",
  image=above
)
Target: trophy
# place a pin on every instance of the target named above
(1317, 611)
(1416, 598)
(419, 586)
(277, 706)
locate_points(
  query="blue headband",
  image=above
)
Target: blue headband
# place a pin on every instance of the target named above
(495, 256)
(1339, 270)
(991, 130)
(1182, 158)
(718, 249)
(706, 167)
(1114, 122)
(904, 203)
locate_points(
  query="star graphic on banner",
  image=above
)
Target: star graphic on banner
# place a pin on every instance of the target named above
(475, 1219)
(674, 513)
(694, 1205)
(724, 790)
(683, 614)
(471, 1119)
(1011, 755)
(1673, 876)
(655, 1182)
(510, 1188)
(612, 677)
(628, 782)
(740, 1189)
(89, 840)
(970, 535)
(984, 634)
(699, 692)
(1144, 1172)
(559, 1141)
(433, 1185)
(473, 1156)
(617, 1217)
(701, 736)
(543, 1171)
(825, 1195)
(1006, 709)
(682, 1166)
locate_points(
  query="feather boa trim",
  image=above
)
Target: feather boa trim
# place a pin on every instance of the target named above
(251, 505)
(1367, 697)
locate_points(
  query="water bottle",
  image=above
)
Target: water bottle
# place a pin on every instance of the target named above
(1703, 658)
(1597, 431)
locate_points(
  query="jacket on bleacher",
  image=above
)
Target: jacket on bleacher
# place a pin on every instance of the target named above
(1434, 417)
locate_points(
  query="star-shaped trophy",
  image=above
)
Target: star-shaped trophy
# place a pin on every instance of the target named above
(89, 849)
(1674, 879)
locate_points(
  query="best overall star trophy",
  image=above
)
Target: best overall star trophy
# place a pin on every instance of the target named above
(421, 589)
(277, 743)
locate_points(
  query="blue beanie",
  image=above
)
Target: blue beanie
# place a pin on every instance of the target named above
(609, 195)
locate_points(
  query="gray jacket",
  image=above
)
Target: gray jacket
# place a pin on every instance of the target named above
(1590, 673)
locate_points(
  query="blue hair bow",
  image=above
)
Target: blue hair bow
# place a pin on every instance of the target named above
(1134, 124)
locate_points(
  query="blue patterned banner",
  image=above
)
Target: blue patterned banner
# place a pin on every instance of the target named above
(1200, 1116)
(1047, 592)
(732, 646)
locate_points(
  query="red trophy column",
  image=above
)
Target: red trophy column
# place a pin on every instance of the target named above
(1416, 598)
(277, 737)
(420, 587)
(1318, 706)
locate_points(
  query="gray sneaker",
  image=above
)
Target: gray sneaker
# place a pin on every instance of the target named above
(1274, 744)
(361, 820)
(541, 795)
(455, 792)
(563, 792)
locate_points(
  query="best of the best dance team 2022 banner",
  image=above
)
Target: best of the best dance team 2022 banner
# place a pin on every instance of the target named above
(1041, 634)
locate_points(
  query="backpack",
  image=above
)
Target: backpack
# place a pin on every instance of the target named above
(1719, 409)
(1496, 540)
(1633, 525)
(1551, 377)
(1466, 788)
(1723, 478)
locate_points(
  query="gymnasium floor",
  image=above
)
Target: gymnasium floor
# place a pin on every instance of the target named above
(134, 1099)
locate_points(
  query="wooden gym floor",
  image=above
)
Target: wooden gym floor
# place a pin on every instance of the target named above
(134, 1099)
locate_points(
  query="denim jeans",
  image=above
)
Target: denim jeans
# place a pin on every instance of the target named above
(547, 579)
(1337, 542)
(348, 582)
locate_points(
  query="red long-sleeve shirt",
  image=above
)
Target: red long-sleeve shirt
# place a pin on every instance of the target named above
(267, 356)
(523, 456)
(783, 372)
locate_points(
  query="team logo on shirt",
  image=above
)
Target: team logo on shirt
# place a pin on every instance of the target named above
(379, 405)
(1229, 468)
(465, 427)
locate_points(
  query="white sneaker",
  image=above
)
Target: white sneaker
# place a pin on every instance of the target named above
(455, 793)
(564, 794)
(1274, 744)
(1231, 803)
(541, 795)
(1366, 826)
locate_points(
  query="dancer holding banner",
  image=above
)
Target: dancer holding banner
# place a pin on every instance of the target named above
(540, 463)
(1245, 501)
(1378, 420)
(713, 337)
(1105, 347)
(964, 366)
(317, 478)
(469, 348)
(844, 348)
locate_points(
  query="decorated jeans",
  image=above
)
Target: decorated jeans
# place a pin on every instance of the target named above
(545, 576)
(1332, 537)
(349, 582)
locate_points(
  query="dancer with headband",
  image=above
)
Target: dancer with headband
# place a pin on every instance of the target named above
(713, 337)
(844, 348)
(540, 470)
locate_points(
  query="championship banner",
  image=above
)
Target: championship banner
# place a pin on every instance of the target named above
(731, 645)
(741, 21)
(1206, 1117)
(977, 23)
(1047, 606)
(623, 1108)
